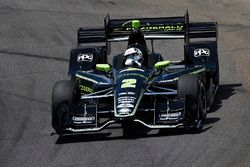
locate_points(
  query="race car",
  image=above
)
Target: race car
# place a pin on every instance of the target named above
(139, 88)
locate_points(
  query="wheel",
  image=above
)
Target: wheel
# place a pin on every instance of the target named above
(192, 88)
(60, 117)
(62, 97)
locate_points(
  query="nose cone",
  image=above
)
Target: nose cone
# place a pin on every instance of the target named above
(128, 91)
(126, 104)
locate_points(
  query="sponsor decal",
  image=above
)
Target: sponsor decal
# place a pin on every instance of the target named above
(163, 28)
(85, 57)
(147, 27)
(86, 89)
(131, 93)
(83, 120)
(124, 111)
(201, 52)
(169, 116)
(125, 105)
(133, 75)
(126, 99)
(123, 93)
(126, 93)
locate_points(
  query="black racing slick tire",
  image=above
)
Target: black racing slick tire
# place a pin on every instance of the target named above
(191, 87)
(62, 97)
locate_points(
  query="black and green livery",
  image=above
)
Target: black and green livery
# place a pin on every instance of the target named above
(160, 94)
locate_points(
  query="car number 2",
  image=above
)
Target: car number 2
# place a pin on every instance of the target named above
(128, 83)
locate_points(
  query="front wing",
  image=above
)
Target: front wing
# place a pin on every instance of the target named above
(164, 111)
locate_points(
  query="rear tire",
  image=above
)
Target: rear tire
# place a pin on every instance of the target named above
(192, 88)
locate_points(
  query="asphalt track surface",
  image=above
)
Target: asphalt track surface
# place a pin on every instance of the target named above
(35, 39)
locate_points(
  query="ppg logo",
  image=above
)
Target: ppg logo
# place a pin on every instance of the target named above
(85, 57)
(201, 52)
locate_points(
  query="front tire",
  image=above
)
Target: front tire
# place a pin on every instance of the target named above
(62, 97)
(192, 88)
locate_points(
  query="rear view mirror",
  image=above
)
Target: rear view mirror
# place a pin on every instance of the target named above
(162, 64)
(103, 67)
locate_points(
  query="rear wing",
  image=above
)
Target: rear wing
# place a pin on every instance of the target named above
(153, 29)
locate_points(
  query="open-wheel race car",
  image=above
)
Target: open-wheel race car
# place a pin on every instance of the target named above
(139, 87)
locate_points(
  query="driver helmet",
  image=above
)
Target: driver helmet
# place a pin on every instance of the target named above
(133, 57)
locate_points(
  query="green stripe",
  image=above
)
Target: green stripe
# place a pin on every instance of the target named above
(88, 79)
(198, 71)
